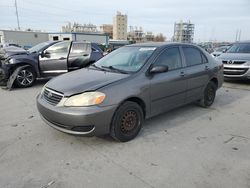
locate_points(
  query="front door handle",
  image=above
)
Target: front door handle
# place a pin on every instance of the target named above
(182, 74)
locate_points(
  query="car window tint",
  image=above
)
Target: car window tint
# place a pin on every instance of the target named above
(171, 58)
(79, 48)
(204, 58)
(61, 49)
(192, 56)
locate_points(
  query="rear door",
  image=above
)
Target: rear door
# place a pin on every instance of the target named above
(56, 59)
(168, 90)
(197, 72)
(79, 55)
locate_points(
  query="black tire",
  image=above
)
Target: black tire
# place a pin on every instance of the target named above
(209, 95)
(25, 78)
(127, 122)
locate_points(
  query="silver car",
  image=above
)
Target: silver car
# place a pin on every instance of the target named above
(237, 61)
(220, 50)
(117, 93)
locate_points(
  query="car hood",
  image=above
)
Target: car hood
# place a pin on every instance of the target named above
(235, 56)
(82, 80)
(12, 51)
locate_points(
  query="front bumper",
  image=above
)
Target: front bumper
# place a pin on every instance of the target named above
(236, 71)
(3, 77)
(4, 74)
(87, 121)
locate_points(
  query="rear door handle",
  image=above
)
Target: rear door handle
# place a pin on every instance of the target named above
(206, 67)
(62, 58)
(182, 74)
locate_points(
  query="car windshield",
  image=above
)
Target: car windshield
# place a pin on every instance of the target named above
(239, 48)
(221, 49)
(38, 47)
(126, 59)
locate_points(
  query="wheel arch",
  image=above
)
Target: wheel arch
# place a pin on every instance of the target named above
(137, 100)
(215, 81)
(23, 64)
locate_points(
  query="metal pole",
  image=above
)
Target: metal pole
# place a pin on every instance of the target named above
(239, 35)
(17, 17)
(236, 38)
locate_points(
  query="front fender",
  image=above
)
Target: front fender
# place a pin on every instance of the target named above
(13, 76)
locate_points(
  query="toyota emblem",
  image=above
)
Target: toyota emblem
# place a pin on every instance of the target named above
(230, 62)
(50, 94)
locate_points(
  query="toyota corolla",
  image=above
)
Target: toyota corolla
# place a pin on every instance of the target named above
(117, 93)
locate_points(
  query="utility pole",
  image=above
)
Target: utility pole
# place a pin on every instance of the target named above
(239, 35)
(17, 17)
(236, 38)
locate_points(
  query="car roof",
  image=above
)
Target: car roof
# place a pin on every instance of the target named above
(243, 42)
(159, 44)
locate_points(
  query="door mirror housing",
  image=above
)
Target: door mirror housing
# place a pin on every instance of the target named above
(45, 54)
(158, 69)
(224, 51)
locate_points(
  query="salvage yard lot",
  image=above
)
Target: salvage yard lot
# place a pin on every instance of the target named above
(187, 147)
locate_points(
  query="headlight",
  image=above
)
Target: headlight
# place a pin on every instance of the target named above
(10, 61)
(43, 89)
(248, 63)
(85, 99)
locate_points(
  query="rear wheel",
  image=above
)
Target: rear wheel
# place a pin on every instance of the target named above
(127, 122)
(209, 95)
(25, 78)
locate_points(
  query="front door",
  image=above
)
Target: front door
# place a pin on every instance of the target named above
(54, 59)
(168, 90)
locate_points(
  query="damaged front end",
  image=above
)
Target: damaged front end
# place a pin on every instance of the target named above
(3, 76)
(8, 74)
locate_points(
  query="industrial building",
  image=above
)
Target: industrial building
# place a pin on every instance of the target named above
(183, 32)
(23, 38)
(101, 38)
(120, 23)
(76, 27)
(107, 28)
(136, 34)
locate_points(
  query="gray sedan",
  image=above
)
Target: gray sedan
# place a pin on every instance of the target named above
(116, 94)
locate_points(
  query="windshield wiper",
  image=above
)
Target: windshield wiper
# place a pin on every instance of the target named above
(93, 65)
(115, 69)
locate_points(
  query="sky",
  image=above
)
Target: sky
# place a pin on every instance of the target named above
(215, 20)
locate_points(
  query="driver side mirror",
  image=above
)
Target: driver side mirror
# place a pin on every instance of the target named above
(158, 69)
(45, 54)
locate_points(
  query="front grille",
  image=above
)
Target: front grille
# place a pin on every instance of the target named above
(235, 71)
(234, 62)
(52, 97)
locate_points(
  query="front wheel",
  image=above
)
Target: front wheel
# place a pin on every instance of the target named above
(25, 78)
(127, 122)
(209, 95)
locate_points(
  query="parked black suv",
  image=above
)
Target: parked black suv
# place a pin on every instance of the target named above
(44, 60)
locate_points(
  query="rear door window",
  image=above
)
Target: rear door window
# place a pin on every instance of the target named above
(192, 56)
(80, 48)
